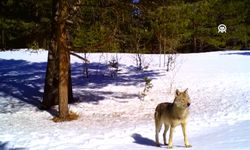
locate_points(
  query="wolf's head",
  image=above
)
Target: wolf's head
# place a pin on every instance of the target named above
(182, 99)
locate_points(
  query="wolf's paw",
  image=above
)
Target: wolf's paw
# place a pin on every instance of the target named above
(158, 145)
(188, 146)
(169, 147)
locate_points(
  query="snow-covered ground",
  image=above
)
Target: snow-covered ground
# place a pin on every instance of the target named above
(112, 113)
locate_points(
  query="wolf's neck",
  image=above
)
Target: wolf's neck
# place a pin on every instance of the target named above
(179, 112)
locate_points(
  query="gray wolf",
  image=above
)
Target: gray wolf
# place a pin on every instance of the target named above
(172, 115)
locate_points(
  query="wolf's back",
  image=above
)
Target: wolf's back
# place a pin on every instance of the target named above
(162, 108)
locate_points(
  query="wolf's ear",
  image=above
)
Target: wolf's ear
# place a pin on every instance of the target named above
(186, 91)
(177, 92)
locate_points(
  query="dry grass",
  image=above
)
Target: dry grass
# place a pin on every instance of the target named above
(72, 116)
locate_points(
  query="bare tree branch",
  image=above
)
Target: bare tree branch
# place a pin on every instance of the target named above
(80, 57)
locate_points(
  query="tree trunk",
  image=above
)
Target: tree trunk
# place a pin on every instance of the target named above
(164, 51)
(2, 39)
(194, 44)
(58, 85)
(195, 28)
(70, 90)
(160, 49)
(64, 62)
(50, 96)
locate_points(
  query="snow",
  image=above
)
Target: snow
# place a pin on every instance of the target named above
(113, 115)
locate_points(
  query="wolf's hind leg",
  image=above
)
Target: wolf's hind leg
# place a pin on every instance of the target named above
(158, 125)
(164, 133)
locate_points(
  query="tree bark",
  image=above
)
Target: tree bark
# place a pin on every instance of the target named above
(194, 37)
(50, 96)
(64, 62)
(58, 85)
(160, 49)
(2, 39)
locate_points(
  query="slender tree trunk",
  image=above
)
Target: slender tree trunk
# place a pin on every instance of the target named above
(64, 60)
(245, 40)
(164, 51)
(70, 90)
(160, 49)
(194, 37)
(2, 39)
(85, 68)
(50, 96)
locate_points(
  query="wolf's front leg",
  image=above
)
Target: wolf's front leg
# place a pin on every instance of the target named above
(183, 125)
(170, 140)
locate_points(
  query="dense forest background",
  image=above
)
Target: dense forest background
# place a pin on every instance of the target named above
(157, 26)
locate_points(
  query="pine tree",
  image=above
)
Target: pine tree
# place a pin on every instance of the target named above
(23, 23)
(58, 87)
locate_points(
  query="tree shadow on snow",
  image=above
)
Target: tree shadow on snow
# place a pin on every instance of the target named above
(99, 75)
(143, 140)
(239, 53)
(22, 83)
(7, 146)
(95, 96)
